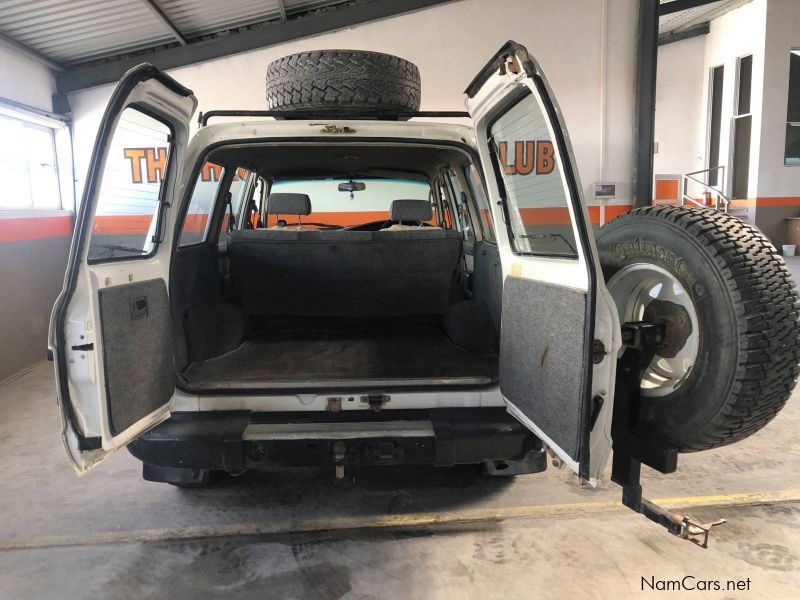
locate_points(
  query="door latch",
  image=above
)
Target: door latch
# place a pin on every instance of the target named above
(376, 401)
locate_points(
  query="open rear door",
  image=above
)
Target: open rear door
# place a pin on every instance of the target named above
(111, 330)
(548, 258)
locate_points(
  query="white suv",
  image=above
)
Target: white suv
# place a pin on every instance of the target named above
(335, 281)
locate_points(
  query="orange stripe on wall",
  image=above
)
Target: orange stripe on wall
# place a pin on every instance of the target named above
(560, 216)
(30, 228)
(666, 189)
(105, 224)
(778, 201)
(344, 219)
(195, 223)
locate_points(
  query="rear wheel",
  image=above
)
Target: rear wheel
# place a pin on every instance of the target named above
(730, 360)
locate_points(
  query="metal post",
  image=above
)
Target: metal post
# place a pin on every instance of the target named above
(647, 59)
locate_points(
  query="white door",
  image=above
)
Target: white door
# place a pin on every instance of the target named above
(111, 329)
(552, 285)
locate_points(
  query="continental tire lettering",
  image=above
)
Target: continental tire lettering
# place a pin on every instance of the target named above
(672, 262)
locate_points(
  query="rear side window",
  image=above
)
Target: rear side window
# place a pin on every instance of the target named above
(201, 206)
(475, 183)
(129, 203)
(537, 199)
(459, 197)
(240, 191)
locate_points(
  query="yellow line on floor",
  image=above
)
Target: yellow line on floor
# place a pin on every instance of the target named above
(388, 521)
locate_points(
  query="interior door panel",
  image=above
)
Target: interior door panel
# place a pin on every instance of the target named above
(542, 357)
(137, 338)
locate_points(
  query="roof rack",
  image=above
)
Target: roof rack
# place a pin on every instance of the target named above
(203, 117)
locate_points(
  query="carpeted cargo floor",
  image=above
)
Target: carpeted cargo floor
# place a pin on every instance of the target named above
(336, 354)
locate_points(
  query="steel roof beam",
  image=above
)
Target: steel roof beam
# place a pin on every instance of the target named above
(679, 5)
(677, 36)
(165, 20)
(111, 69)
(647, 62)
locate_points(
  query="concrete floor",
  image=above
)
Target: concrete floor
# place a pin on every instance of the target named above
(395, 532)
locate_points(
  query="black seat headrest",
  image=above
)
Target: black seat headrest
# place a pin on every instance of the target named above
(288, 204)
(410, 210)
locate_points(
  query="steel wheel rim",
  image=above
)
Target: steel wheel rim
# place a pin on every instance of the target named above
(633, 288)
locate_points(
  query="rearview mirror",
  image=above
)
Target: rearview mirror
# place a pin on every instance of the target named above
(352, 186)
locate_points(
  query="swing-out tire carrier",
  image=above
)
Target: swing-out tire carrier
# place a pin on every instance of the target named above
(632, 449)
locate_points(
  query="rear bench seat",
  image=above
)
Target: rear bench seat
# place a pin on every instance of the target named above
(316, 273)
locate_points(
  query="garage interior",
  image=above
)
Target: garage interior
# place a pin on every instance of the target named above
(648, 111)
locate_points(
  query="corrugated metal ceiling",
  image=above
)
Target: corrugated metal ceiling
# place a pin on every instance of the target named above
(72, 32)
(686, 19)
(77, 32)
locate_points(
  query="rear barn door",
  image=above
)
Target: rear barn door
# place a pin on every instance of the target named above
(546, 253)
(111, 330)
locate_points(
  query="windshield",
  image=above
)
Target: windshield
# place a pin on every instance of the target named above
(333, 208)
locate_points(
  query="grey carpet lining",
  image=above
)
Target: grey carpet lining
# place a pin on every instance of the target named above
(137, 350)
(543, 354)
(336, 354)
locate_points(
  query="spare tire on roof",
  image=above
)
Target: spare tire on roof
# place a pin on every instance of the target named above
(346, 83)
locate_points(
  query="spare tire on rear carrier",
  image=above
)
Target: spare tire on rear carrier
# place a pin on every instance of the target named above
(343, 83)
(732, 348)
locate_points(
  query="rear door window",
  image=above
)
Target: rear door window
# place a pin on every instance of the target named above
(537, 199)
(129, 204)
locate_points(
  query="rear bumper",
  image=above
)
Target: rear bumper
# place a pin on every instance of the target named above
(238, 441)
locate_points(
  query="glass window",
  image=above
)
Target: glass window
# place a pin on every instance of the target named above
(745, 83)
(28, 167)
(536, 198)
(238, 190)
(473, 178)
(126, 214)
(792, 154)
(460, 200)
(201, 206)
(332, 208)
(715, 126)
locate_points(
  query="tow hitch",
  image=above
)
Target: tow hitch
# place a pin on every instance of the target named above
(632, 449)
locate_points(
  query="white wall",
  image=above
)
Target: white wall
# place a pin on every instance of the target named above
(680, 122)
(591, 69)
(783, 34)
(25, 80)
(733, 35)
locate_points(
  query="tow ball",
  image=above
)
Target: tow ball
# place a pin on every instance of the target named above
(642, 341)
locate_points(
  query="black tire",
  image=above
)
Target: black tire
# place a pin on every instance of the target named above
(747, 311)
(343, 82)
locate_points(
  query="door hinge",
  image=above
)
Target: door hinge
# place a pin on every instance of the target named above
(376, 401)
(598, 351)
